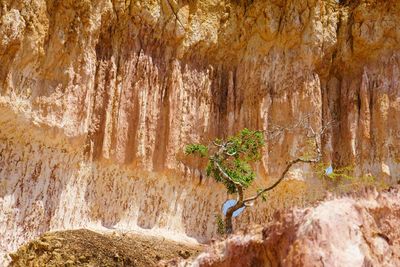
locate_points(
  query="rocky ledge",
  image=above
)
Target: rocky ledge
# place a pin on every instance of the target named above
(347, 231)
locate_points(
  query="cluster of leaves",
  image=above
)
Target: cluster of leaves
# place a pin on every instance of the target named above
(310, 151)
(263, 195)
(232, 157)
(246, 145)
(337, 174)
(213, 170)
(342, 179)
(199, 149)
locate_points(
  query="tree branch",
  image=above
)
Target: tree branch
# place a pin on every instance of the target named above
(231, 154)
(291, 163)
(176, 15)
(314, 135)
(215, 144)
(239, 186)
(225, 174)
(278, 130)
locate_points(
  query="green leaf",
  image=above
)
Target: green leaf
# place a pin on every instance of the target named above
(199, 149)
(235, 158)
(263, 197)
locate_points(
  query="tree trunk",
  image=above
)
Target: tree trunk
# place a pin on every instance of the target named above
(229, 215)
(228, 223)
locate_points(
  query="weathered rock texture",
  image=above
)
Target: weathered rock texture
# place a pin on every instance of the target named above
(98, 97)
(340, 232)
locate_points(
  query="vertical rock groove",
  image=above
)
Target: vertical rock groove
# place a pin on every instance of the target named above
(98, 98)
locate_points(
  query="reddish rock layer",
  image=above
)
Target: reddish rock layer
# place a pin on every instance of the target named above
(342, 232)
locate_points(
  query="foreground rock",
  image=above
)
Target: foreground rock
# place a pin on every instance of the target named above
(347, 231)
(88, 248)
(339, 232)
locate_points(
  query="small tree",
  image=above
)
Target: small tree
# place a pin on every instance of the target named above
(230, 162)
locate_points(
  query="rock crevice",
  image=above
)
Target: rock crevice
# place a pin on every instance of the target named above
(98, 98)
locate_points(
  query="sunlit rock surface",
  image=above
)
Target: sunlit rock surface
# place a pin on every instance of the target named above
(349, 231)
(97, 99)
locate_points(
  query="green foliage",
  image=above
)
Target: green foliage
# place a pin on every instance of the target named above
(212, 170)
(234, 156)
(342, 173)
(246, 145)
(310, 151)
(240, 171)
(263, 195)
(343, 180)
(198, 149)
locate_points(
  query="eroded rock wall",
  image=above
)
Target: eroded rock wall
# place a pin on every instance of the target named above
(99, 97)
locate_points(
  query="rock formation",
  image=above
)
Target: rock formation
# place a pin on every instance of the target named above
(97, 99)
(341, 232)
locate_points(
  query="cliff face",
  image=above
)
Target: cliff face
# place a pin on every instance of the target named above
(98, 98)
(350, 231)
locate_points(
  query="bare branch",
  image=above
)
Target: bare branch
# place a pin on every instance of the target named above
(290, 164)
(231, 154)
(315, 135)
(215, 144)
(176, 15)
(330, 124)
(278, 130)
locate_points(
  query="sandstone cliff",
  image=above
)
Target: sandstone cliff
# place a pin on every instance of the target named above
(97, 98)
